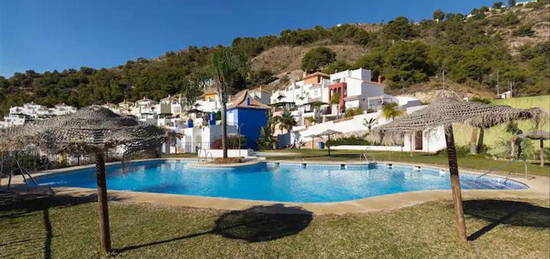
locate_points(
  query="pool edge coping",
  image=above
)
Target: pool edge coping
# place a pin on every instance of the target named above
(539, 187)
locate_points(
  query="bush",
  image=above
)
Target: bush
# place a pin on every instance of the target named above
(523, 31)
(262, 77)
(535, 5)
(317, 58)
(353, 141)
(353, 111)
(336, 66)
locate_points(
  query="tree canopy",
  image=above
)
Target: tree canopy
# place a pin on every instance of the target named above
(471, 51)
(317, 58)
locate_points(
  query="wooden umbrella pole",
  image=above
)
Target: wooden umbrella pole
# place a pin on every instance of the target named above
(328, 145)
(541, 152)
(455, 183)
(105, 234)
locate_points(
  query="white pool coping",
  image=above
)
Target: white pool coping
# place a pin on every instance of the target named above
(539, 188)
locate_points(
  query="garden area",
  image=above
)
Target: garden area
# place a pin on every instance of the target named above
(66, 227)
(465, 160)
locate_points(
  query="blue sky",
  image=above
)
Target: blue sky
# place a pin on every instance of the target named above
(60, 34)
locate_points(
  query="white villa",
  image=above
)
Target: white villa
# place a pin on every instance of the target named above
(313, 96)
(19, 115)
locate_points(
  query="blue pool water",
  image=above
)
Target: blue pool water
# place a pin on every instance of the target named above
(267, 181)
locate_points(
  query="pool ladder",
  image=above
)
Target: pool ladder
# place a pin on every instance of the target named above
(206, 153)
(526, 175)
(367, 158)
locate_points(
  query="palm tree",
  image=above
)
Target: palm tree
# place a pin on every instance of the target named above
(287, 122)
(391, 111)
(369, 123)
(228, 68)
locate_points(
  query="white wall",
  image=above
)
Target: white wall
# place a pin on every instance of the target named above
(345, 126)
(432, 141)
(368, 148)
(218, 153)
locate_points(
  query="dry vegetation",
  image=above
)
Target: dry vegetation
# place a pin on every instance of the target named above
(282, 59)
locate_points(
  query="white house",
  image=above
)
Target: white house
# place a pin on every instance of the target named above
(426, 141)
(354, 88)
(313, 97)
(62, 109)
(19, 115)
(313, 87)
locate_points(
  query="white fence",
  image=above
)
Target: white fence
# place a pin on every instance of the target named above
(349, 125)
(368, 148)
(217, 153)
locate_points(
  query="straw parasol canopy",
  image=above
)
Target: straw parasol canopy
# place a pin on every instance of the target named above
(444, 112)
(538, 134)
(89, 130)
(92, 130)
(541, 135)
(327, 133)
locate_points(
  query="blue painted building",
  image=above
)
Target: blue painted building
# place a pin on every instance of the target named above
(249, 115)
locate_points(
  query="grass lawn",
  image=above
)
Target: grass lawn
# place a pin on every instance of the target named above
(64, 227)
(464, 161)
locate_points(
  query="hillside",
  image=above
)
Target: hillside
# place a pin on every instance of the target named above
(283, 59)
(510, 44)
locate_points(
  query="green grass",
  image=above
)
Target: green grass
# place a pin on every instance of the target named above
(477, 162)
(179, 155)
(68, 228)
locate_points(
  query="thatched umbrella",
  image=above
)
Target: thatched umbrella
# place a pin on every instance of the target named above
(444, 112)
(327, 133)
(541, 135)
(92, 130)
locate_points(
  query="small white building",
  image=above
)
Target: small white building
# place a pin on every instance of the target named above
(505, 95)
(354, 88)
(19, 115)
(312, 99)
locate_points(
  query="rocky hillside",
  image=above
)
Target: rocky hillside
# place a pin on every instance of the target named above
(473, 50)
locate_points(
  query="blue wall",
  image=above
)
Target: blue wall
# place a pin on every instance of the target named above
(250, 121)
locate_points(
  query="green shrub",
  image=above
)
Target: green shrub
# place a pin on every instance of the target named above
(353, 111)
(523, 31)
(535, 5)
(317, 58)
(353, 141)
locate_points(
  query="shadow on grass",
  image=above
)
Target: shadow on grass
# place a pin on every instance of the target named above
(255, 224)
(25, 204)
(513, 213)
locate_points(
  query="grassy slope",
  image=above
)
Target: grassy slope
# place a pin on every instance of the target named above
(32, 229)
(464, 161)
(498, 133)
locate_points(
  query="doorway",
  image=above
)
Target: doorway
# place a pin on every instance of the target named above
(418, 141)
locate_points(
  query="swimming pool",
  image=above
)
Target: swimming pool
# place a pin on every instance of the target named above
(272, 182)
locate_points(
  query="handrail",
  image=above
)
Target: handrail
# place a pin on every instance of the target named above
(366, 157)
(504, 165)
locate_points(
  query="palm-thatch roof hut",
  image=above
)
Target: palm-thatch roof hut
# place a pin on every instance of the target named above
(541, 135)
(444, 112)
(92, 130)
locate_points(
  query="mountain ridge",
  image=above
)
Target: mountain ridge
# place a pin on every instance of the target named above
(510, 42)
